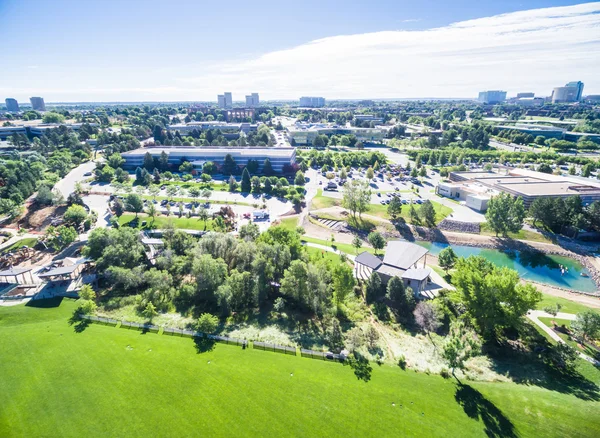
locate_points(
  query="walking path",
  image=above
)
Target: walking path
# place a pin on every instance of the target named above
(534, 316)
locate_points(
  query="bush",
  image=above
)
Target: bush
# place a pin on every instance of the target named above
(445, 373)
(402, 362)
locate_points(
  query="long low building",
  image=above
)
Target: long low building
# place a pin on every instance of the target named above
(477, 188)
(199, 155)
(37, 130)
(304, 134)
(229, 130)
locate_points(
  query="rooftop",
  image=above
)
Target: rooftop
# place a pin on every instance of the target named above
(418, 274)
(368, 259)
(549, 188)
(279, 152)
(403, 255)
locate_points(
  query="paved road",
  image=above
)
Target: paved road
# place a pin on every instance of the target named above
(66, 186)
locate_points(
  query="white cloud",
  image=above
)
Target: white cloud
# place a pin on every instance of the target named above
(532, 50)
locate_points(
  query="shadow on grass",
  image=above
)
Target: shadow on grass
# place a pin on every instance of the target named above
(47, 303)
(79, 324)
(530, 363)
(204, 345)
(476, 406)
(360, 365)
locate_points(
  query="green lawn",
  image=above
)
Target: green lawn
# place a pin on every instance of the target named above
(567, 323)
(200, 200)
(28, 241)
(320, 201)
(568, 306)
(106, 381)
(343, 247)
(521, 235)
(192, 223)
(290, 223)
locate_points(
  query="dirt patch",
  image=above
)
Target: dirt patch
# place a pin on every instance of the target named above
(38, 219)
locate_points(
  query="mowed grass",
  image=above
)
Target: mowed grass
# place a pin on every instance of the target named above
(28, 241)
(110, 381)
(184, 223)
(567, 306)
(521, 235)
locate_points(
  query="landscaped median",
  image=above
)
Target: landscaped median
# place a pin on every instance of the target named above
(184, 223)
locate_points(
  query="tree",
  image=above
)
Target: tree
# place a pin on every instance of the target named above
(402, 299)
(118, 207)
(376, 240)
(505, 214)
(356, 243)
(163, 161)
(279, 305)
(249, 231)
(427, 213)
(207, 323)
(75, 215)
(149, 311)
(426, 317)
(299, 180)
(493, 297)
(423, 172)
(172, 191)
(203, 215)
(447, 258)
(232, 184)
(44, 196)
(343, 281)
(374, 289)
(461, 344)
(115, 160)
(587, 325)
(267, 167)
(148, 162)
(152, 212)
(252, 166)
(356, 197)
(194, 193)
(52, 117)
(370, 174)
(87, 293)
(134, 203)
(544, 168)
(246, 184)
(371, 337)
(394, 208)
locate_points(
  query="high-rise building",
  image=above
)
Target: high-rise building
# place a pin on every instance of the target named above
(571, 92)
(252, 100)
(12, 105)
(37, 103)
(492, 96)
(221, 101)
(228, 99)
(312, 102)
(579, 86)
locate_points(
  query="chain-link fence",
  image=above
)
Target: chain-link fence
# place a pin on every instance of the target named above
(273, 347)
(322, 355)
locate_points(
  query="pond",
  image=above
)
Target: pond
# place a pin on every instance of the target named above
(534, 266)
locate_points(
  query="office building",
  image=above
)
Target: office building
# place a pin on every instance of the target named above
(524, 95)
(312, 102)
(228, 99)
(12, 105)
(477, 188)
(252, 100)
(571, 92)
(230, 131)
(37, 103)
(281, 158)
(579, 86)
(221, 101)
(492, 96)
(305, 133)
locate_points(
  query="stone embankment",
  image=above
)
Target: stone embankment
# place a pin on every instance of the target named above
(459, 227)
(566, 248)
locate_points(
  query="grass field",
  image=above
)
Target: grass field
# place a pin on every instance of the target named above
(106, 381)
(568, 306)
(28, 241)
(521, 235)
(183, 222)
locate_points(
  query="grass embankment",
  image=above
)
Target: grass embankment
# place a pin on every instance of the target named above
(28, 241)
(521, 235)
(183, 222)
(343, 247)
(567, 306)
(200, 200)
(111, 381)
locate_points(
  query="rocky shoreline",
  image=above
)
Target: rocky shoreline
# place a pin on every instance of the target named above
(436, 235)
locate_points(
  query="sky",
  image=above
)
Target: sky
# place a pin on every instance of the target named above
(149, 50)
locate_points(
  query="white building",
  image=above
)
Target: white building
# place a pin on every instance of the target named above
(312, 102)
(571, 92)
(252, 100)
(492, 96)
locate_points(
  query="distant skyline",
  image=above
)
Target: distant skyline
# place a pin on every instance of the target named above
(104, 51)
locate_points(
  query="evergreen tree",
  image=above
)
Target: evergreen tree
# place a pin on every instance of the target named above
(246, 184)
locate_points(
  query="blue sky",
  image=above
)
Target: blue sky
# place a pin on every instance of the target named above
(191, 50)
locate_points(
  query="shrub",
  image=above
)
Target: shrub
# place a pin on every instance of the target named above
(402, 362)
(445, 373)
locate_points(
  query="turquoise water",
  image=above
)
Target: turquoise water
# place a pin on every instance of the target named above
(533, 266)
